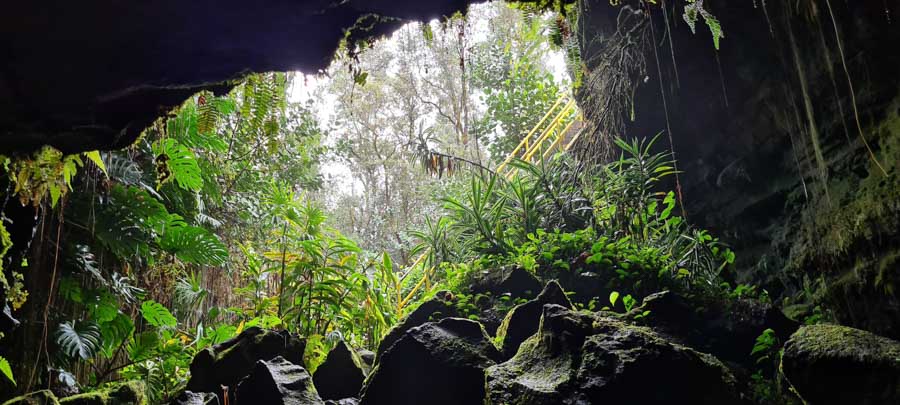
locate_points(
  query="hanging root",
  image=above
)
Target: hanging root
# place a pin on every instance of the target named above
(616, 71)
(840, 46)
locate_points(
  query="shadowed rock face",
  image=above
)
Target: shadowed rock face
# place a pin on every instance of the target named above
(832, 364)
(93, 74)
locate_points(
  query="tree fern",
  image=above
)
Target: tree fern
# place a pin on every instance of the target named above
(79, 339)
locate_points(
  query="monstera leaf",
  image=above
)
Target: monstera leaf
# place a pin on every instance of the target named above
(193, 244)
(174, 161)
(78, 339)
(157, 315)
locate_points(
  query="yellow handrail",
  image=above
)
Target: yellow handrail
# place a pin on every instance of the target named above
(530, 133)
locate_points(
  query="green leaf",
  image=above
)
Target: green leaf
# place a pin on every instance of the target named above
(6, 370)
(94, 156)
(142, 346)
(613, 297)
(176, 162)
(115, 332)
(157, 315)
(81, 339)
(194, 245)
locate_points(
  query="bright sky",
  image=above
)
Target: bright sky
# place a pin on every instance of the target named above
(308, 88)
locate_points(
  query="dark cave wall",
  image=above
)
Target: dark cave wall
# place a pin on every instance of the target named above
(742, 136)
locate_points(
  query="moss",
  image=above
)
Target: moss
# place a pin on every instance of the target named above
(131, 392)
(43, 397)
(834, 341)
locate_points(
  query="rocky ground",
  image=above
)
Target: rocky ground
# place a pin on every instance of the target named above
(670, 349)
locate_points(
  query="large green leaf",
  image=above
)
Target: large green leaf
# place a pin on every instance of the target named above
(193, 244)
(115, 332)
(157, 315)
(176, 162)
(143, 346)
(79, 339)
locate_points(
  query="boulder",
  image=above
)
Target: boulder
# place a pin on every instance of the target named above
(512, 280)
(230, 361)
(367, 356)
(543, 369)
(831, 364)
(343, 401)
(580, 358)
(342, 373)
(42, 397)
(277, 381)
(196, 398)
(438, 307)
(436, 363)
(522, 321)
(723, 328)
(131, 392)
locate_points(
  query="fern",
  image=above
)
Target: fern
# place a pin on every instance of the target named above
(693, 11)
(157, 315)
(79, 339)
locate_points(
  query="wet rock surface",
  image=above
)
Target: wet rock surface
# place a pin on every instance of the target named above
(512, 280)
(831, 364)
(523, 320)
(341, 375)
(436, 363)
(277, 381)
(229, 362)
(196, 398)
(439, 307)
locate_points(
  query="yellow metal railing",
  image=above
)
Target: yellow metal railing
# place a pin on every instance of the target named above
(565, 114)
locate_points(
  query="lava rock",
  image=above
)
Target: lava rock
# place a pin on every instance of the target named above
(341, 375)
(196, 398)
(523, 320)
(722, 328)
(437, 308)
(512, 280)
(544, 367)
(277, 381)
(367, 356)
(436, 363)
(42, 397)
(230, 361)
(343, 401)
(580, 358)
(831, 364)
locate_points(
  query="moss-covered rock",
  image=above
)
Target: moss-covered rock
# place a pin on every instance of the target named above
(130, 393)
(230, 361)
(277, 382)
(831, 364)
(42, 397)
(580, 358)
(523, 320)
(543, 369)
(342, 374)
(436, 363)
(437, 308)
